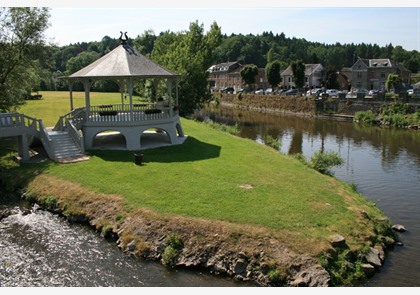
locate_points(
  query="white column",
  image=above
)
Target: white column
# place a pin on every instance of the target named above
(87, 84)
(130, 93)
(70, 84)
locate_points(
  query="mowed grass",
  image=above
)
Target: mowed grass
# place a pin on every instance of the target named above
(217, 176)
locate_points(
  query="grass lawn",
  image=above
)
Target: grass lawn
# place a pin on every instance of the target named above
(217, 176)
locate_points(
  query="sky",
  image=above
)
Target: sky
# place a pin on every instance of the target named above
(317, 21)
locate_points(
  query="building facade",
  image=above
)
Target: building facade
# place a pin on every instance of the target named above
(227, 75)
(370, 74)
(313, 76)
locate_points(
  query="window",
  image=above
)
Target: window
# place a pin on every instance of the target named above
(359, 75)
(383, 75)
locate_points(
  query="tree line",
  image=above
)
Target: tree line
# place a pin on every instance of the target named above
(189, 53)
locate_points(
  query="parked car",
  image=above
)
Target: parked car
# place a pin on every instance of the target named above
(259, 91)
(268, 91)
(315, 91)
(332, 92)
(363, 91)
(373, 92)
(291, 92)
(410, 91)
(228, 90)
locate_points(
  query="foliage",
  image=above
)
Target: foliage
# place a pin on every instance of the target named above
(249, 73)
(272, 72)
(392, 82)
(324, 161)
(365, 117)
(272, 142)
(396, 120)
(301, 158)
(331, 77)
(49, 203)
(172, 250)
(189, 54)
(298, 69)
(232, 129)
(394, 108)
(21, 48)
(80, 61)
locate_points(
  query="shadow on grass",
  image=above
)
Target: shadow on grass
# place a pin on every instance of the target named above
(191, 150)
(14, 176)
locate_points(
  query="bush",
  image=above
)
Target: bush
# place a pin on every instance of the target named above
(324, 161)
(172, 250)
(301, 158)
(395, 120)
(367, 117)
(272, 142)
(394, 108)
(49, 203)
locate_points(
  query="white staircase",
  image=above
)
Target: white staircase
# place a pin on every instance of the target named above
(65, 150)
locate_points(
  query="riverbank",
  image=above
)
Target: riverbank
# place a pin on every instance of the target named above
(218, 202)
(331, 108)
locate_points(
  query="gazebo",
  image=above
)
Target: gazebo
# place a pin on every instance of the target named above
(131, 119)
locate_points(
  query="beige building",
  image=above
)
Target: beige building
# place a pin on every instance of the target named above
(370, 74)
(227, 75)
(313, 76)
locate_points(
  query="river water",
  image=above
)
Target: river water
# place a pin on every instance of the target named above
(40, 249)
(384, 164)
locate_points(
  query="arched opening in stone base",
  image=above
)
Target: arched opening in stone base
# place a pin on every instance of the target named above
(154, 137)
(109, 140)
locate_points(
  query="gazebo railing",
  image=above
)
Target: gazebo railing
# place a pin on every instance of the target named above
(122, 112)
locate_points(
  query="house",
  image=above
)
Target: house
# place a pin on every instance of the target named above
(224, 75)
(370, 74)
(313, 76)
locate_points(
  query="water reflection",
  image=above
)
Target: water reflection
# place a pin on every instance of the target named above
(384, 164)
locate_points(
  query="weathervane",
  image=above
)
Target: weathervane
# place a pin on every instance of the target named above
(123, 41)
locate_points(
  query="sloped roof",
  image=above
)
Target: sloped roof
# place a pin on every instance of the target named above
(123, 61)
(224, 67)
(309, 69)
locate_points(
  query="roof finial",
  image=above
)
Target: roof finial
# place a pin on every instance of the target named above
(123, 41)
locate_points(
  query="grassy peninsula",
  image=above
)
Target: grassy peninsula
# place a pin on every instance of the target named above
(215, 186)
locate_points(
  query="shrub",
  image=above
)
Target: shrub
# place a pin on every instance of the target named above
(394, 108)
(301, 158)
(367, 117)
(169, 256)
(272, 142)
(395, 120)
(324, 161)
(172, 250)
(49, 203)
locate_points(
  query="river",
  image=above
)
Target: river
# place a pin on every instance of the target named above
(41, 249)
(384, 164)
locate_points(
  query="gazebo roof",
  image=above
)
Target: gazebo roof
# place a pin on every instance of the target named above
(123, 62)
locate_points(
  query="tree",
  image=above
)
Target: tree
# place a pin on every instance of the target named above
(331, 77)
(392, 82)
(189, 54)
(21, 48)
(298, 69)
(248, 74)
(272, 72)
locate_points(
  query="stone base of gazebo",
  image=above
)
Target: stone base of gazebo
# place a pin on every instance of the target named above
(134, 137)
